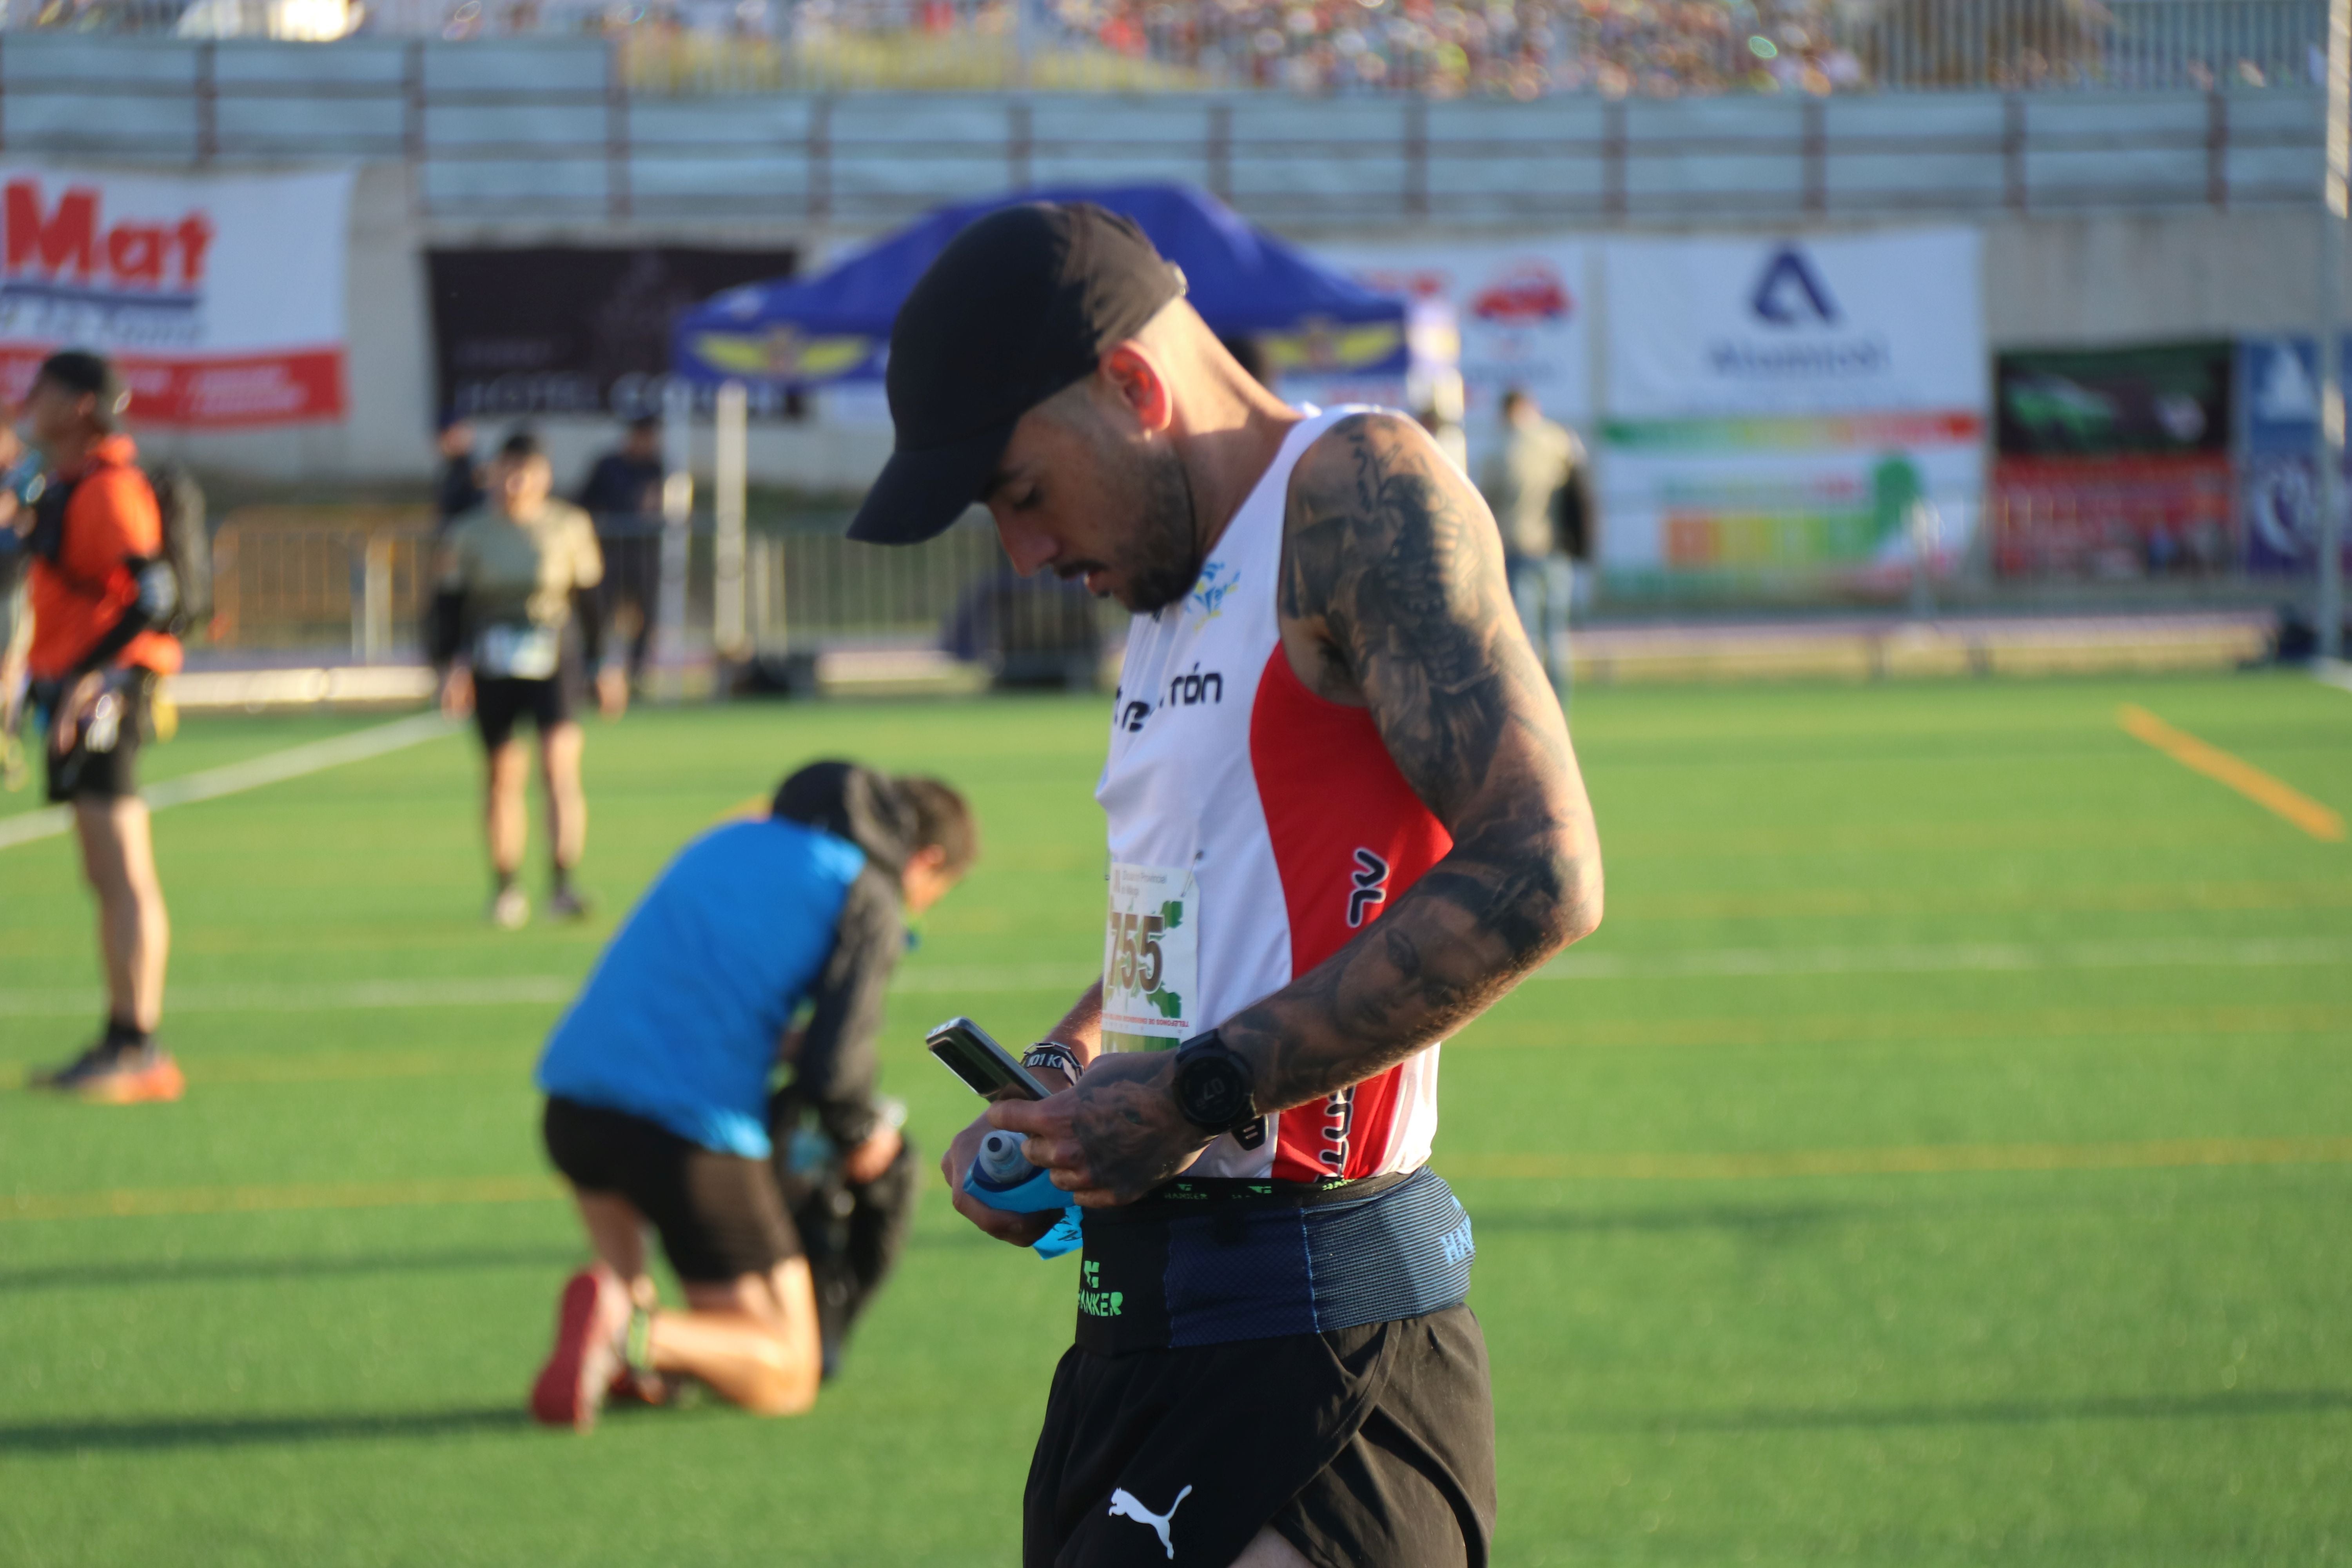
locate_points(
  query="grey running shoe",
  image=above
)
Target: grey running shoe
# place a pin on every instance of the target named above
(568, 905)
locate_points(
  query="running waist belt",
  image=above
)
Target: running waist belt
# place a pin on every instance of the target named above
(1202, 1263)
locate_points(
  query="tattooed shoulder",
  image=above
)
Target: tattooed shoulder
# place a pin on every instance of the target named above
(1393, 595)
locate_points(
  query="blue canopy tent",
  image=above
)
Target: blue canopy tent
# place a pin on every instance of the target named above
(834, 328)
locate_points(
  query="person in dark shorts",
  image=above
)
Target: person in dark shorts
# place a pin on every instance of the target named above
(623, 495)
(658, 1083)
(100, 592)
(515, 629)
(1344, 816)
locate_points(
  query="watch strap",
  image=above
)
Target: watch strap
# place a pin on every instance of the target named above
(1055, 1055)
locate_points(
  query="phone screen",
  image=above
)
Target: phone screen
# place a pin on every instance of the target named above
(985, 1066)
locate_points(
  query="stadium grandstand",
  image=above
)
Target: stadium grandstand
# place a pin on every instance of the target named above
(1438, 48)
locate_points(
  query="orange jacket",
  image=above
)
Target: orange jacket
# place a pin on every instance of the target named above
(75, 600)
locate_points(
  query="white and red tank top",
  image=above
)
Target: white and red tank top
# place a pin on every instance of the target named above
(1255, 827)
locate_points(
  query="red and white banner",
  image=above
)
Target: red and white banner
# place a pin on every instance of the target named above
(221, 297)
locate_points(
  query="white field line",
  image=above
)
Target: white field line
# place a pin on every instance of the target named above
(1712, 962)
(275, 768)
(1961, 958)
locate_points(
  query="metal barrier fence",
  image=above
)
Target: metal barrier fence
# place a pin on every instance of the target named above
(294, 578)
(546, 131)
(1533, 49)
(957, 592)
(290, 582)
(288, 577)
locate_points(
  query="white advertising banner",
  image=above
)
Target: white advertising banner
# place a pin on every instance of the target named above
(221, 297)
(1520, 307)
(1751, 503)
(1791, 414)
(1775, 327)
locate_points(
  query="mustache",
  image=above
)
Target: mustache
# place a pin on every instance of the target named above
(1071, 570)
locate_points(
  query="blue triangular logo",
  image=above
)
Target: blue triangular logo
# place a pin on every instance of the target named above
(1791, 292)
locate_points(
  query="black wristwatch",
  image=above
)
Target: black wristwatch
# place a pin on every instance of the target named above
(1213, 1085)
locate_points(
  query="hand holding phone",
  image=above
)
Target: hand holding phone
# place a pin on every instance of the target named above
(1001, 1178)
(989, 1070)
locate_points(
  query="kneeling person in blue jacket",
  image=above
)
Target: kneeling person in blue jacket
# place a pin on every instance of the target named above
(658, 1108)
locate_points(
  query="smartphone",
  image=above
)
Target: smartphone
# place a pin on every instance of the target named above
(967, 1051)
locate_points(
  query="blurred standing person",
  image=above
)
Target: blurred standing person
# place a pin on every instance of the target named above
(1523, 482)
(623, 495)
(457, 489)
(21, 482)
(517, 576)
(100, 593)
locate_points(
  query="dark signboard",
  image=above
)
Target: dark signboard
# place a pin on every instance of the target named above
(573, 329)
(2115, 463)
(2170, 399)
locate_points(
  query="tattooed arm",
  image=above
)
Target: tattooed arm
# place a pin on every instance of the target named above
(1393, 599)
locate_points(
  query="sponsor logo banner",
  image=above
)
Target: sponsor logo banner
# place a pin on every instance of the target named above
(2115, 463)
(2278, 392)
(221, 297)
(571, 329)
(1778, 327)
(1688, 513)
(1521, 311)
(1787, 414)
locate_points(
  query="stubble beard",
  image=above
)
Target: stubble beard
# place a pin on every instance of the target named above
(1165, 560)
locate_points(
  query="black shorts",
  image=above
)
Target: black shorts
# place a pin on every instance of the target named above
(631, 570)
(721, 1215)
(1365, 1447)
(500, 701)
(83, 774)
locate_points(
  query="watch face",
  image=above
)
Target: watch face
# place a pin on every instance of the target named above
(1214, 1095)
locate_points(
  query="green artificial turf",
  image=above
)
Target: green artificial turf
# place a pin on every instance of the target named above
(2093, 949)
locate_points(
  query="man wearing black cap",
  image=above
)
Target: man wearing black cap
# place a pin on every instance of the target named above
(101, 596)
(1344, 817)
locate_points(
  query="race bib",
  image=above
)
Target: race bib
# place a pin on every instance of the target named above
(1152, 959)
(517, 653)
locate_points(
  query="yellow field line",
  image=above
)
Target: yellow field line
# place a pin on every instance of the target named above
(137, 1202)
(1912, 1161)
(2247, 780)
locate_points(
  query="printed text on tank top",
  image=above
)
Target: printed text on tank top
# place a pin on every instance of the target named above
(1255, 828)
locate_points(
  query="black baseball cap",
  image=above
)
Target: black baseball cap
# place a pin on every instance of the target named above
(1021, 304)
(86, 375)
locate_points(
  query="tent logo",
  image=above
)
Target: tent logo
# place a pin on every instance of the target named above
(1791, 292)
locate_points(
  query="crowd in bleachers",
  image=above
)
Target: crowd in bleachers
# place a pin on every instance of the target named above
(1517, 48)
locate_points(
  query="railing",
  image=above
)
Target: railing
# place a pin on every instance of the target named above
(295, 577)
(956, 593)
(538, 130)
(1534, 48)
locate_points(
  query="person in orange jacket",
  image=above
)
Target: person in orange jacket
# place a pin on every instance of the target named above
(101, 595)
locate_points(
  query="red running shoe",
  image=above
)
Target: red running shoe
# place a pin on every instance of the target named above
(113, 1075)
(572, 1385)
(630, 1386)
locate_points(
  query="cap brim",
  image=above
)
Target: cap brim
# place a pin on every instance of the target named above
(919, 495)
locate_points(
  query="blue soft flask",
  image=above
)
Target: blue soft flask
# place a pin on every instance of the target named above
(1003, 1178)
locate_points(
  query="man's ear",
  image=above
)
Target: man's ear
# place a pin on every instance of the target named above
(930, 859)
(1136, 377)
